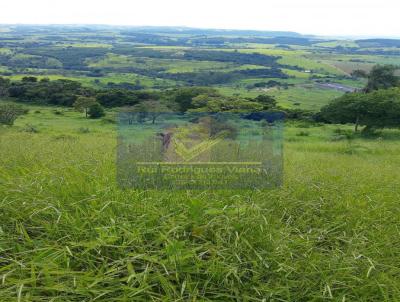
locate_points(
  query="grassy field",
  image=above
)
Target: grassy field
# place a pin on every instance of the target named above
(68, 233)
(305, 96)
(171, 65)
(300, 58)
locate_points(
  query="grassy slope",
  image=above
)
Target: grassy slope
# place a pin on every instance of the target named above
(172, 65)
(305, 97)
(68, 233)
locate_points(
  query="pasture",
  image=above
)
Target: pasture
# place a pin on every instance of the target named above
(68, 233)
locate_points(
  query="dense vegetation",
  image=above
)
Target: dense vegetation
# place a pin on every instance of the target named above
(377, 107)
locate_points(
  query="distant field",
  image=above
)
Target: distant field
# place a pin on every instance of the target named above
(5, 51)
(307, 97)
(349, 63)
(344, 43)
(298, 58)
(85, 45)
(169, 65)
(149, 60)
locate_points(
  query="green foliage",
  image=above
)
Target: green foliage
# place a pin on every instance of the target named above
(96, 111)
(298, 114)
(82, 104)
(267, 101)
(4, 86)
(358, 73)
(122, 97)
(382, 77)
(68, 57)
(206, 78)
(378, 109)
(10, 112)
(206, 103)
(150, 109)
(183, 97)
(58, 92)
(29, 80)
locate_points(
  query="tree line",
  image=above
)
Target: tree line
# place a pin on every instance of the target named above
(376, 106)
(92, 101)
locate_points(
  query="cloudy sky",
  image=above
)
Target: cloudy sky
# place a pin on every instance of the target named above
(321, 17)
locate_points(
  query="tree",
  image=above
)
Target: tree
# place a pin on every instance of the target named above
(150, 109)
(59, 92)
(206, 103)
(29, 79)
(266, 100)
(358, 73)
(376, 110)
(96, 111)
(382, 77)
(4, 86)
(83, 103)
(10, 112)
(115, 97)
(183, 97)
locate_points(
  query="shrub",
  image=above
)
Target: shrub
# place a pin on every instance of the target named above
(302, 133)
(96, 111)
(10, 112)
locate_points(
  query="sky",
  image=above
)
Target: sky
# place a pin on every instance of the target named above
(356, 18)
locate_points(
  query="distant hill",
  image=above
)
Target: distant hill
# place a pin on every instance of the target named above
(219, 32)
(154, 30)
(379, 43)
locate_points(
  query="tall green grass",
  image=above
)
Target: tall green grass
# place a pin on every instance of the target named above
(68, 233)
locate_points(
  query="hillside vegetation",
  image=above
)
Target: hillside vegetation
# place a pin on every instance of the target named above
(68, 233)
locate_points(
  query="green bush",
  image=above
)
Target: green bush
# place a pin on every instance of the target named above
(96, 111)
(10, 112)
(303, 133)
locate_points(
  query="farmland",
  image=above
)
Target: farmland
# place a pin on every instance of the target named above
(152, 60)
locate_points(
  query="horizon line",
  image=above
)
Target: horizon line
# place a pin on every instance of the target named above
(314, 35)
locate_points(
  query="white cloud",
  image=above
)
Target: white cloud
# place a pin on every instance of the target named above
(328, 17)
